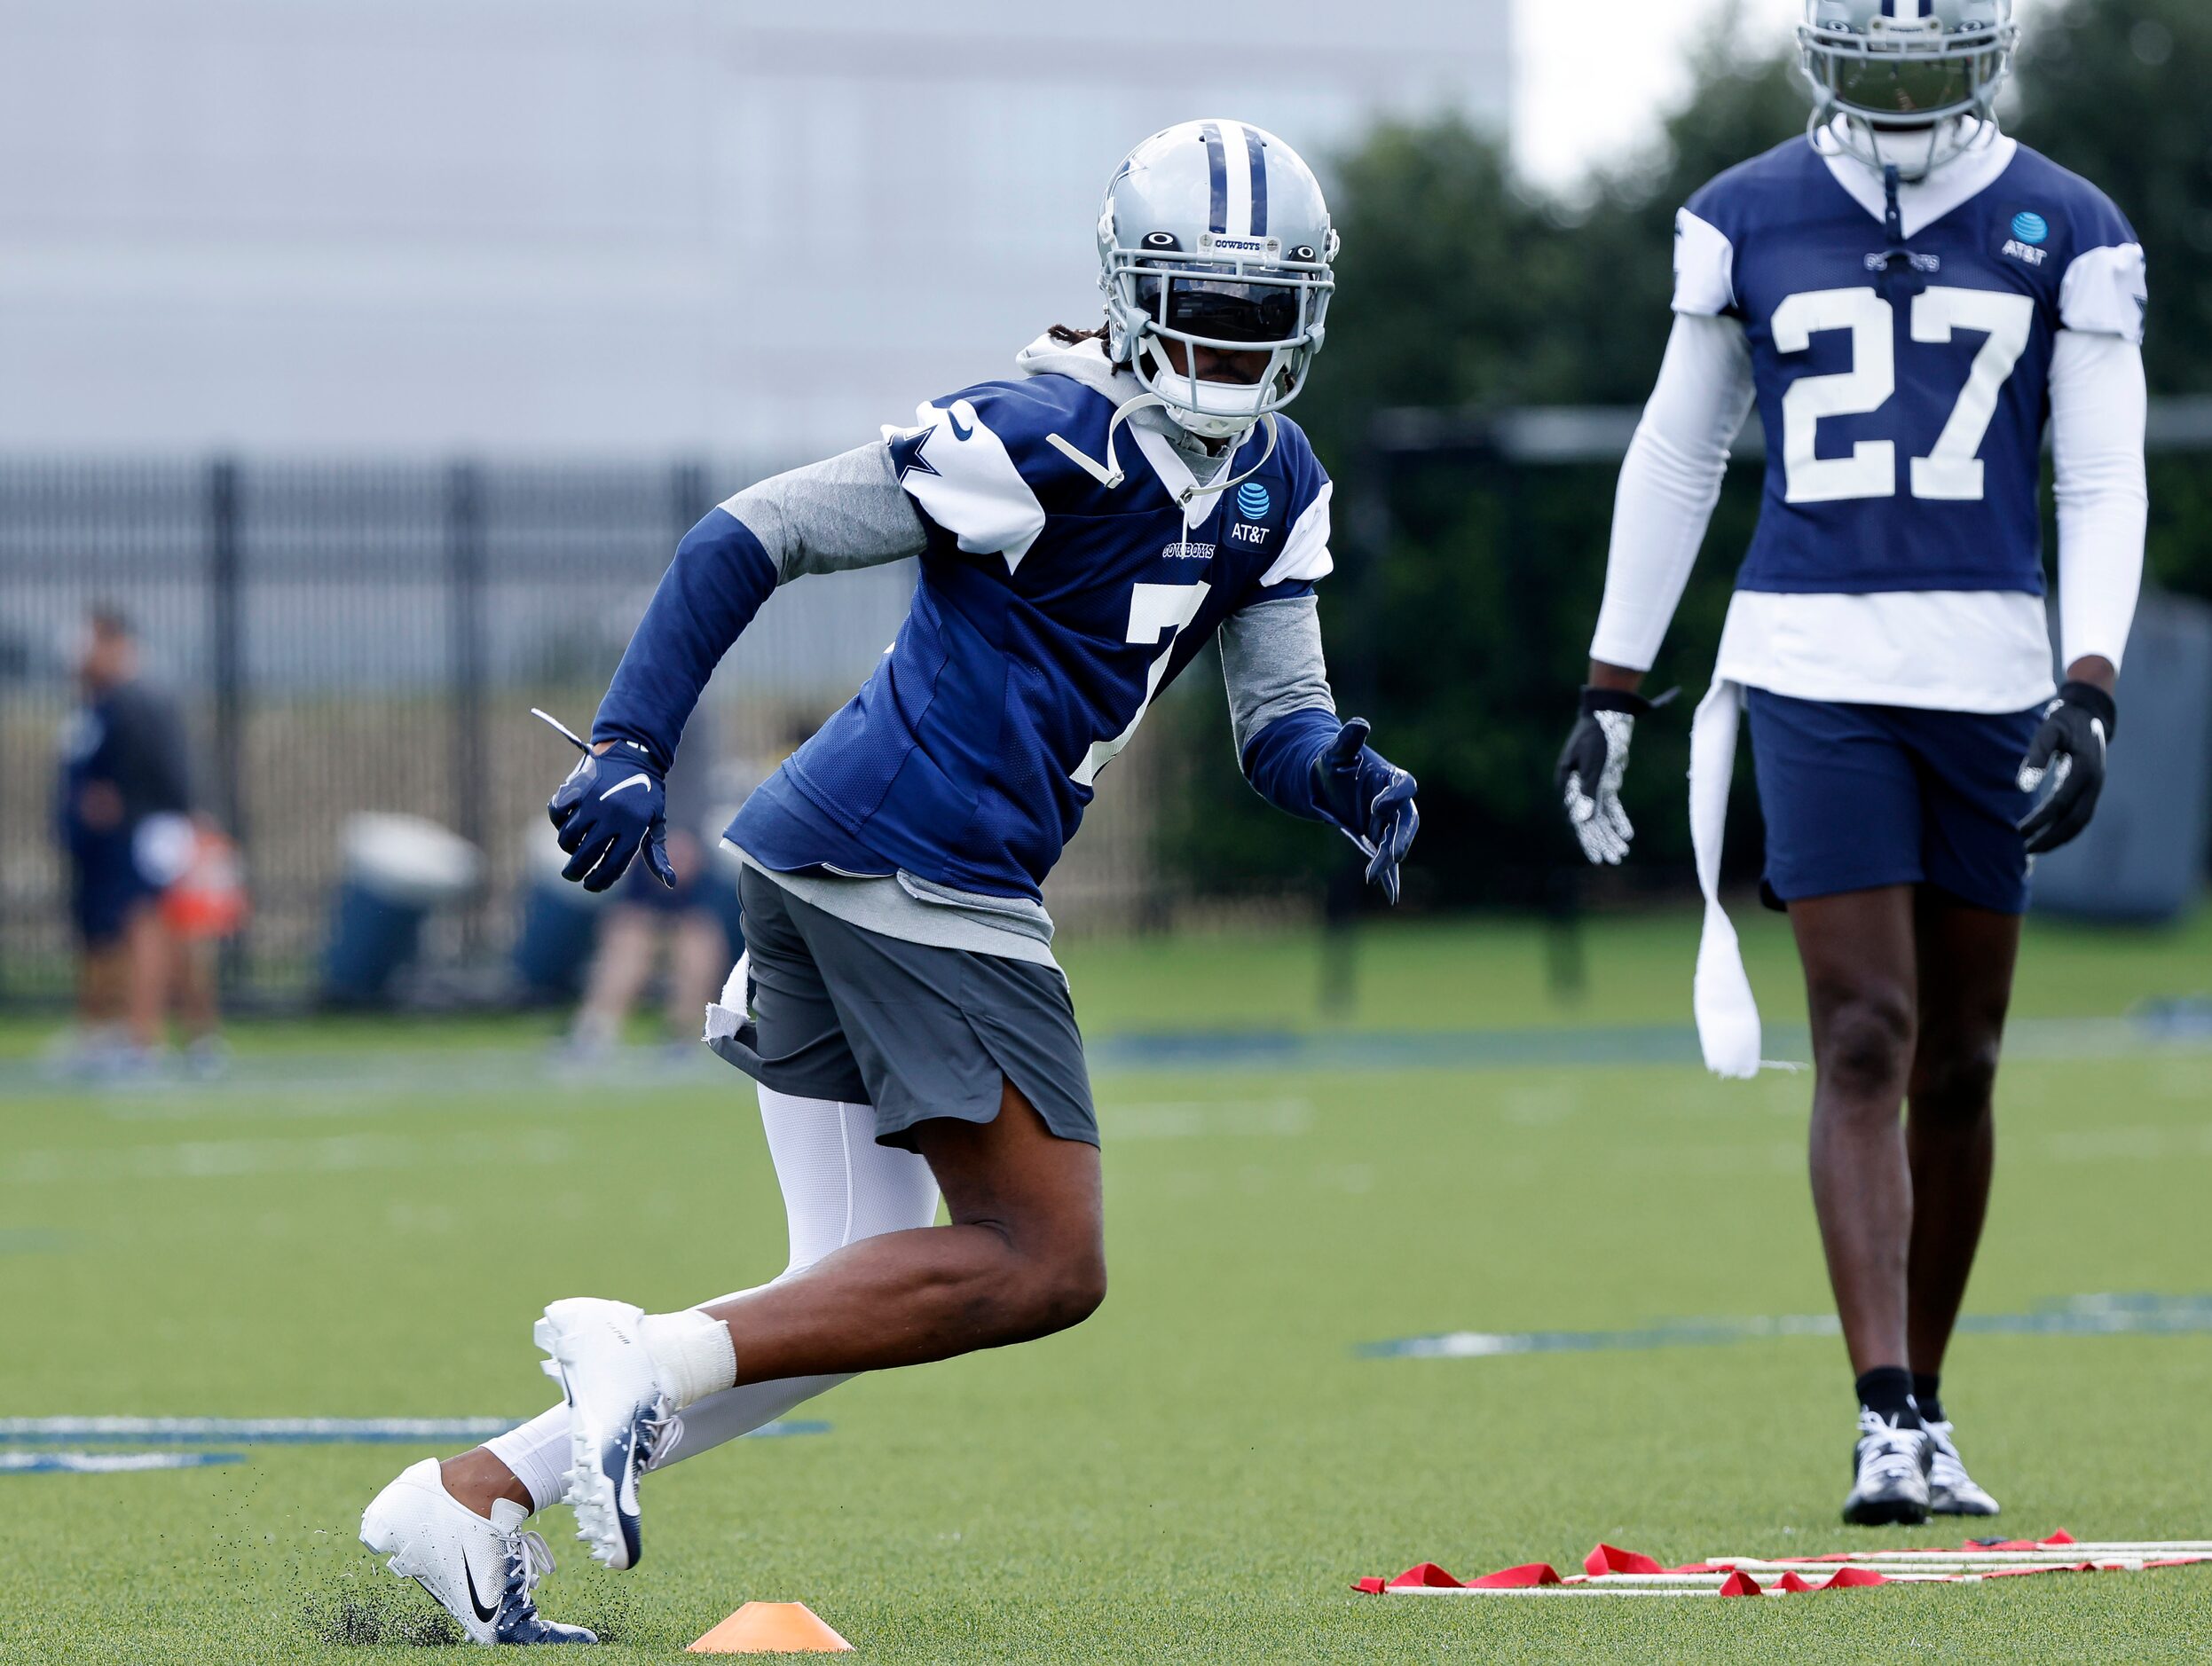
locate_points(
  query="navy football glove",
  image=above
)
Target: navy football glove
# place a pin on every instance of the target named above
(2069, 752)
(612, 804)
(1371, 799)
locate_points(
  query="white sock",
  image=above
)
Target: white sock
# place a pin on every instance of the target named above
(538, 1456)
(692, 1354)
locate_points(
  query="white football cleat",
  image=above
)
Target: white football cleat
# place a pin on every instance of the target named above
(481, 1572)
(1889, 1474)
(619, 1416)
(1951, 1490)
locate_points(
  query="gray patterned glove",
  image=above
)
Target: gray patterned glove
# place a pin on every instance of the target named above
(1591, 768)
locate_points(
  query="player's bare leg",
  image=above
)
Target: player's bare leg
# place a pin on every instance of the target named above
(698, 958)
(1024, 1256)
(1967, 961)
(147, 955)
(620, 966)
(1859, 978)
(1862, 981)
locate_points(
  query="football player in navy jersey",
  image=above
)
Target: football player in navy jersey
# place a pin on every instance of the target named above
(1910, 299)
(1084, 527)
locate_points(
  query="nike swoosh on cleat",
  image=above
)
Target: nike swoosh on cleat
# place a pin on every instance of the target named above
(639, 779)
(469, 1580)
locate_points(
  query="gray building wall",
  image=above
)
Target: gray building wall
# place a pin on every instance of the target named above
(628, 227)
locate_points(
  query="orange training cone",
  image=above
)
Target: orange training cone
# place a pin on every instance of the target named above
(772, 1627)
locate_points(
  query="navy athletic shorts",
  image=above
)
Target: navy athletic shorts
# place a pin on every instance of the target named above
(916, 1031)
(1858, 797)
(105, 885)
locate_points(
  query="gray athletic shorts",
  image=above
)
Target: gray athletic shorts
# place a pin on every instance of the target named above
(837, 1012)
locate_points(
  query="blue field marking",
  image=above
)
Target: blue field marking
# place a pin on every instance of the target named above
(301, 1431)
(109, 1463)
(2076, 1316)
(524, 1082)
(1365, 1050)
(2174, 1028)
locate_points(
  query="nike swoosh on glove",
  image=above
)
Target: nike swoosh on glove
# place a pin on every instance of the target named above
(1371, 799)
(613, 804)
(1592, 766)
(2068, 752)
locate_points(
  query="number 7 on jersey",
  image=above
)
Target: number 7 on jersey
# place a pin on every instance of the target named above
(1155, 612)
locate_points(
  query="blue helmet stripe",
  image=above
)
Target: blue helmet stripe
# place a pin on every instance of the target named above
(1257, 153)
(1217, 173)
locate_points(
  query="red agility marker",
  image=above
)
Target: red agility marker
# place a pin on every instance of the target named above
(1845, 1579)
(1611, 1559)
(1741, 1584)
(1426, 1576)
(1522, 1578)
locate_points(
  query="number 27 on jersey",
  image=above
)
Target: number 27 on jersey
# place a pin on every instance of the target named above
(1951, 473)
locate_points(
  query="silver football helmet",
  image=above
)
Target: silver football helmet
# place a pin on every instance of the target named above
(1897, 70)
(1214, 235)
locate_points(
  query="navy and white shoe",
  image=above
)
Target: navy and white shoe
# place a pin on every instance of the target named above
(482, 1572)
(619, 1416)
(1889, 1474)
(1951, 1490)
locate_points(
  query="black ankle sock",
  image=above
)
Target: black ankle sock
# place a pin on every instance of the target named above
(1886, 1391)
(1927, 1394)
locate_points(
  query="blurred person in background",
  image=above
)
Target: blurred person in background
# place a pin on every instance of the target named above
(644, 913)
(129, 837)
(1909, 298)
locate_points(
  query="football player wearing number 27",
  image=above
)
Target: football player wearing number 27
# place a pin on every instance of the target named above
(1907, 297)
(1083, 530)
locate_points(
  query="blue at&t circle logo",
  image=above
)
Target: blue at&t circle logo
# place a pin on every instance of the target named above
(1252, 501)
(2030, 228)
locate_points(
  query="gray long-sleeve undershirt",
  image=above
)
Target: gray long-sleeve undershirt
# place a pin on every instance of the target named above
(850, 512)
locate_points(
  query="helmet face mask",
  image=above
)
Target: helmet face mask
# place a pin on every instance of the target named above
(1885, 70)
(1175, 271)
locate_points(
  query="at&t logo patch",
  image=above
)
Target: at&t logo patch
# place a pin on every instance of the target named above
(1254, 501)
(2030, 232)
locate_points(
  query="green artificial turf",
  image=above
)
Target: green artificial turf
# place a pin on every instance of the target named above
(1200, 1473)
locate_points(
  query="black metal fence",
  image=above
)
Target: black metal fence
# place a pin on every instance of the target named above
(351, 637)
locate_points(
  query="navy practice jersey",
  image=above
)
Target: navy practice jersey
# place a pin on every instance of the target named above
(129, 738)
(1904, 383)
(1050, 611)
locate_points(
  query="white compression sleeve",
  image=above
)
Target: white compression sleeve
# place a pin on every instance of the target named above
(2099, 406)
(840, 1187)
(1669, 483)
